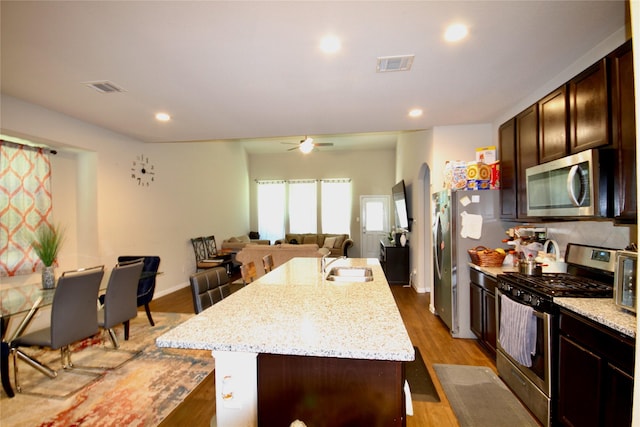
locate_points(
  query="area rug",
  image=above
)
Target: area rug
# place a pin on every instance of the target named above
(479, 398)
(420, 382)
(138, 385)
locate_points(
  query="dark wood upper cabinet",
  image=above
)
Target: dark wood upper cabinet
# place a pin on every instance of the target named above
(526, 153)
(552, 122)
(508, 183)
(589, 108)
(623, 132)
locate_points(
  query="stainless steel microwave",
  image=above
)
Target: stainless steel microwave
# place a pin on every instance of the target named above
(624, 280)
(568, 187)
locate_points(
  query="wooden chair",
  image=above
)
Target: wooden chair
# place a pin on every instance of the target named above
(248, 272)
(267, 262)
(203, 262)
(210, 246)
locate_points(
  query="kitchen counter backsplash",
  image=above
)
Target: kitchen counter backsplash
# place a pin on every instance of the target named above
(600, 310)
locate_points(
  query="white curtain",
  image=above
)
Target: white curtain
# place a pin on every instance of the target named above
(271, 209)
(303, 206)
(336, 206)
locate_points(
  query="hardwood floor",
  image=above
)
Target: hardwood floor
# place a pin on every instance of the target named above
(426, 331)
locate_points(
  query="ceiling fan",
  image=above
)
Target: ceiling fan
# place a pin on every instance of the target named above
(307, 145)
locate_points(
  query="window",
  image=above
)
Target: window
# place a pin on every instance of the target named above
(303, 210)
(336, 206)
(25, 204)
(295, 203)
(271, 209)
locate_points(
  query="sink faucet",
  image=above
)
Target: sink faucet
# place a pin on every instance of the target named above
(324, 264)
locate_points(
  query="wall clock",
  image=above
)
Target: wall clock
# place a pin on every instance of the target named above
(143, 171)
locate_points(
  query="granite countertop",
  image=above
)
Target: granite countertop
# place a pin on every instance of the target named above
(600, 310)
(603, 311)
(293, 311)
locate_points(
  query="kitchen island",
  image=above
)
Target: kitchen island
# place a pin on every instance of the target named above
(293, 345)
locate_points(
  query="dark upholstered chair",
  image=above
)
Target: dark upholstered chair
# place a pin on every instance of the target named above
(120, 300)
(208, 287)
(147, 282)
(74, 317)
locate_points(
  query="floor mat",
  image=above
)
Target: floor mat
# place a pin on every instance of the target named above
(479, 398)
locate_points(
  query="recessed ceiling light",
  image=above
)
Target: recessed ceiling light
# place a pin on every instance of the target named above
(456, 32)
(416, 112)
(330, 44)
(163, 117)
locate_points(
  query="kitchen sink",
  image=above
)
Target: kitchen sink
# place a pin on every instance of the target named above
(350, 274)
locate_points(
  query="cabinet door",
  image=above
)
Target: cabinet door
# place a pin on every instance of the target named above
(553, 125)
(579, 381)
(490, 329)
(588, 107)
(623, 123)
(618, 397)
(526, 151)
(508, 184)
(476, 301)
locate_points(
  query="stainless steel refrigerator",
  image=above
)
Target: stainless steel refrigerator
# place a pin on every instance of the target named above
(462, 220)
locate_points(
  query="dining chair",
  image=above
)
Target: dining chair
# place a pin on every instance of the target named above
(209, 287)
(203, 262)
(120, 300)
(147, 282)
(267, 262)
(210, 246)
(74, 317)
(248, 272)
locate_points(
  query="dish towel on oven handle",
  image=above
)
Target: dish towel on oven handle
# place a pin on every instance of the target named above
(517, 330)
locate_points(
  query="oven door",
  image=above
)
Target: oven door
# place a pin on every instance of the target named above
(540, 370)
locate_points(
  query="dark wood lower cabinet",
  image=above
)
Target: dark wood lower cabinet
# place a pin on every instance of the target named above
(595, 374)
(483, 309)
(331, 392)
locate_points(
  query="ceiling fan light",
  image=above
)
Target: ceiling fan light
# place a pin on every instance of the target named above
(307, 146)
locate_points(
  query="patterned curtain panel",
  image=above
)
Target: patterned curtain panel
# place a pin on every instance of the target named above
(25, 205)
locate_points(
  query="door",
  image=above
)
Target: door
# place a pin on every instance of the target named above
(374, 221)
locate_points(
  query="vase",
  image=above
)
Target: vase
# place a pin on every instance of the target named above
(403, 240)
(48, 277)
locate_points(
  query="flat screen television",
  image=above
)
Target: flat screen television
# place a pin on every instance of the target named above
(399, 194)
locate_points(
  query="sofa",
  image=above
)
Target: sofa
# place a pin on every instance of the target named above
(239, 242)
(281, 253)
(338, 246)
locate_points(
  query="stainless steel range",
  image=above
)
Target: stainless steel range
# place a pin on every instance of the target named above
(527, 322)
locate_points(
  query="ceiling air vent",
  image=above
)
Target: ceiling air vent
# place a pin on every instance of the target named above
(394, 63)
(105, 87)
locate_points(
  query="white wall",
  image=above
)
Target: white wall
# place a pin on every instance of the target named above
(371, 173)
(199, 189)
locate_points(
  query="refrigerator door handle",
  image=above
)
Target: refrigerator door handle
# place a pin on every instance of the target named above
(436, 240)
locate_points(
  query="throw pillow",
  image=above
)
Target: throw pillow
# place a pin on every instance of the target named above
(254, 235)
(232, 240)
(244, 239)
(329, 242)
(339, 241)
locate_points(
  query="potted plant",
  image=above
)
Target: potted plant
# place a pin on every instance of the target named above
(46, 244)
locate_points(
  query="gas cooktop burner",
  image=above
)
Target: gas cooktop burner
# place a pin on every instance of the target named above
(562, 285)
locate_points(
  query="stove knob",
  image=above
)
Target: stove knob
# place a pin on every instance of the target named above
(535, 301)
(527, 297)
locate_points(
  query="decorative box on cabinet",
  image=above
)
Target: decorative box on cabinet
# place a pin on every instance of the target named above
(395, 263)
(595, 374)
(483, 309)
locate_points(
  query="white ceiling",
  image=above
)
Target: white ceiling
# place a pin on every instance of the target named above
(247, 70)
